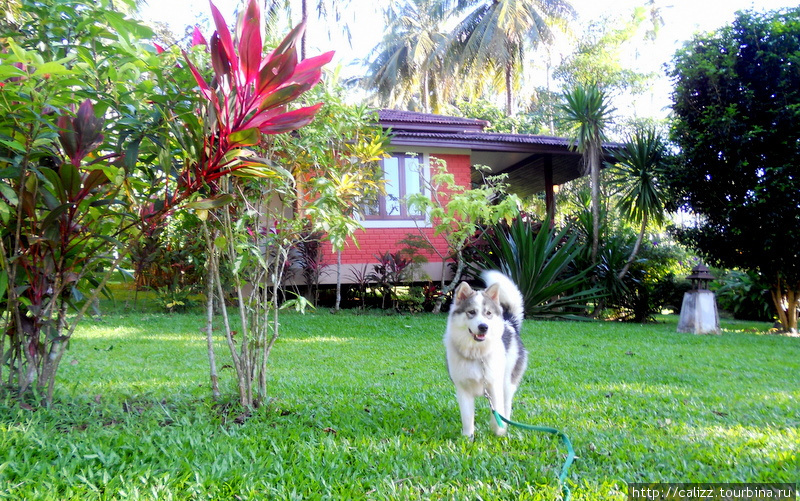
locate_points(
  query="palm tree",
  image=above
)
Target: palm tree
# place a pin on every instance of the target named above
(587, 113)
(495, 35)
(328, 10)
(640, 163)
(408, 63)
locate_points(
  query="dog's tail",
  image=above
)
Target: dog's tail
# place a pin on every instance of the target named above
(510, 297)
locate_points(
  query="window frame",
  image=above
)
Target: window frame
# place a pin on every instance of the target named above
(403, 219)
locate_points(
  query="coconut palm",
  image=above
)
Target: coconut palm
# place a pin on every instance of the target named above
(587, 112)
(495, 35)
(329, 11)
(640, 163)
(408, 63)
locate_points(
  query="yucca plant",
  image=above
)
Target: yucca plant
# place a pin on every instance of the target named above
(640, 164)
(541, 261)
(587, 113)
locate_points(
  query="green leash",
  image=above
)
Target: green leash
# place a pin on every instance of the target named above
(562, 479)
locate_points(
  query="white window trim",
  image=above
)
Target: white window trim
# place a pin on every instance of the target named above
(405, 223)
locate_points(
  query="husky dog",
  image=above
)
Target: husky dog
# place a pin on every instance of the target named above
(485, 355)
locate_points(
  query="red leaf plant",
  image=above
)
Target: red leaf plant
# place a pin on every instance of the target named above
(247, 97)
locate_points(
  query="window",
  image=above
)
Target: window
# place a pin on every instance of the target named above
(403, 175)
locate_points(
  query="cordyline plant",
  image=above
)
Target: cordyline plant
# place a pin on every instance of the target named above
(62, 204)
(247, 98)
(63, 217)
(65, 222)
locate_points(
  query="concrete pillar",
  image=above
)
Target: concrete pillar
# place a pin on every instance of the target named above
(699, 313)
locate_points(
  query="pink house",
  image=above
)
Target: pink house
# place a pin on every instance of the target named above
(534, 164)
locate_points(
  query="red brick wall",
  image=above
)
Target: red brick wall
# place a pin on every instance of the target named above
(375, 241)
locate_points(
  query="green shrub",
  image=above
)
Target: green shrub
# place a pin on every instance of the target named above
(542, 262)
(744, 294)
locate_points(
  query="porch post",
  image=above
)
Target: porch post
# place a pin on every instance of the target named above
(549, 192)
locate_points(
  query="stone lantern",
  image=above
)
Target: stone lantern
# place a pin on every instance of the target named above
(699, 310)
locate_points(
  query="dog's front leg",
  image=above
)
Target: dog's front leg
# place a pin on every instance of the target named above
(466, 404)
(498, 402)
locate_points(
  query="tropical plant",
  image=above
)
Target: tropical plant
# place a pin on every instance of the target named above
(598, 56)
(636, 174)
(61, 218)
(624, 296)
(494, 36)
(309, 256)
(360, 278)
(171, 257)
(743, 294)
(245, 243)
(409, 62)
(393, 269)
(61, 176)
(587, 113)
(737, 110)
(173, 298)
(247, 98)
(542, 262)
(64, 200)
(338, 157)
(457, 215)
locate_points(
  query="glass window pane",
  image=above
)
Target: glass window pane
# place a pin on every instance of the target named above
(413, 180)
(391, 170)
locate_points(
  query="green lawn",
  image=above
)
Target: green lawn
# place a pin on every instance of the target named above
(363, 409)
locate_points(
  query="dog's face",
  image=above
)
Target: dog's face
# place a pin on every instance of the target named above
(479, 313)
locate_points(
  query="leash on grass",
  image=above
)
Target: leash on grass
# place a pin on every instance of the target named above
(562, 479)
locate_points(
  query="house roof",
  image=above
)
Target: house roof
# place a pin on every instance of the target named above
(524, 157)
(412, 120)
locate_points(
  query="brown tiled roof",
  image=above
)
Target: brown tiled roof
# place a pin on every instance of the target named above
(426, 129)
(523, 157)
(412, 120)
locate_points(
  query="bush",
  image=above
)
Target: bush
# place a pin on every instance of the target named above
(171, 257)
(743, 294)
(542, 262)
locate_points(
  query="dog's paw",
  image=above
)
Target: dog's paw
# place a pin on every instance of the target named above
(500, 432)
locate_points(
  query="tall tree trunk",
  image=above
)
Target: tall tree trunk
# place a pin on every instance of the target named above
(550, 115)
(791, 313)
(304, 19)
(595, 176)
(212, 359)
(338, 280)
(426, 103)
(509, 90)
(783, 294)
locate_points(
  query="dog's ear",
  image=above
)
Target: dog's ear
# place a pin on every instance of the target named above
(493, 293)
(463, 291)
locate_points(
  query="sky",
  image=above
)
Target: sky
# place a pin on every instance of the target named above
(682, 19)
